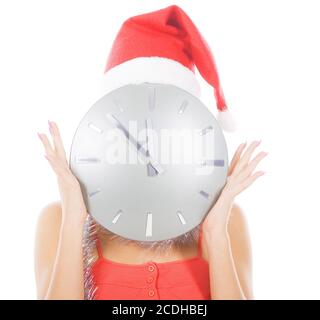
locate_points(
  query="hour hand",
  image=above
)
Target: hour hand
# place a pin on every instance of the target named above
(152, 171)
(152, 163)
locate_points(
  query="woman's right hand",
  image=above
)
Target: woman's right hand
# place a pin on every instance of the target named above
(69, 187)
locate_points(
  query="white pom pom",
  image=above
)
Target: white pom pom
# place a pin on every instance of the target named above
(227, 121)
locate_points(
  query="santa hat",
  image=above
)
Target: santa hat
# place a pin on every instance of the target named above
(164, 46)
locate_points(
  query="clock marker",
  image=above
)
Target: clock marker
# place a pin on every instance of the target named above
(204, 194)
(206, 130)
(86, 160)
(94, 192)
(152, 98)
(183, 107)
(118, 104)
(182, 220)
(94, 128)
(213, 162)
(115, 219)
(149, 225)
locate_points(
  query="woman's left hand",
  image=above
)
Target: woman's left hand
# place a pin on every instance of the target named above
(240, 176)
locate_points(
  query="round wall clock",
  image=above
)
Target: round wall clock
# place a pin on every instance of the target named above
(151, 161)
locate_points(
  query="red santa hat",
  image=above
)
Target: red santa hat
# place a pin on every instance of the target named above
(164, 46)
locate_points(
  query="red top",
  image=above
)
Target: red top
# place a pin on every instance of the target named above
(184, 279)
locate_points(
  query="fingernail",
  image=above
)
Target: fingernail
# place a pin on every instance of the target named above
(50, 126)
(256, 142)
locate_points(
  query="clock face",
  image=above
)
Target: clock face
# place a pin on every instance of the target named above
(151, 160)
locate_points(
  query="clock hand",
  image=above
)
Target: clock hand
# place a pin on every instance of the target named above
(154, 164)
(150, 146)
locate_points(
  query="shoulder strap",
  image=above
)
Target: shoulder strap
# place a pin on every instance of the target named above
(200, 242)
(99, 247)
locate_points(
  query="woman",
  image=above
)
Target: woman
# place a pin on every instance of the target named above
(224, 245)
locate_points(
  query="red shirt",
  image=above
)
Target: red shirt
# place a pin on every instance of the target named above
(175, 280)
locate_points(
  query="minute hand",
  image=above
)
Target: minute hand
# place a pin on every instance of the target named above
(156, 166)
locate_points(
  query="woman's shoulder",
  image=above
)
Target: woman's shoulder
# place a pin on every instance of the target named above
(46, 241)
(50, 216)
(53, 207)
(237, 221)
(48, 228)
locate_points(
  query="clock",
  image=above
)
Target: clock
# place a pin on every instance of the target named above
(151, 160)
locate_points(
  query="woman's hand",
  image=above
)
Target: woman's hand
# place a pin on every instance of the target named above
(240, 177)
(228, 249)
(69, 186)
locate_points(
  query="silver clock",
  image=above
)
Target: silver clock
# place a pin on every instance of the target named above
(151, 161)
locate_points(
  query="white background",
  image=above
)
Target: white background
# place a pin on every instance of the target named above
(52, 57)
